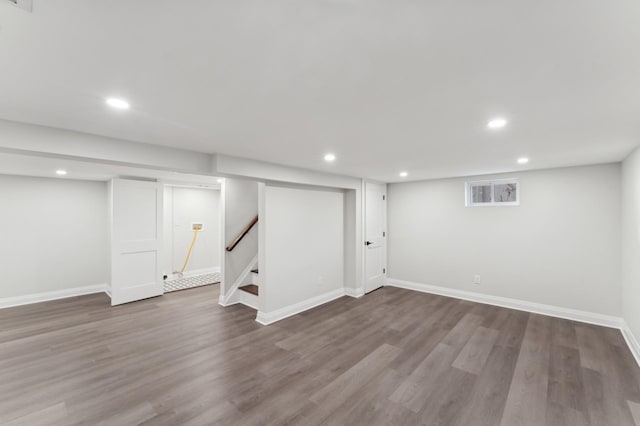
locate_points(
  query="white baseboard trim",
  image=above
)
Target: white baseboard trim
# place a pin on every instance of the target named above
(248, 299)
(224, 303)
(28, 299)
(354, 292)
(521, 305)
(632, 342)
(282, 313)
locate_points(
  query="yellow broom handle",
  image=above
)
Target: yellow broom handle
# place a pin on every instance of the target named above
(193, 242)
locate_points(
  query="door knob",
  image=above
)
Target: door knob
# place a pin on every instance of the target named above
(368, 243)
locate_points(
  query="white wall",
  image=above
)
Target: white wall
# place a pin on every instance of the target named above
(352, 244)
(184, 206)
(560, 247)
(304, 244)
(31, 138)
(631, 242)
(240, 207)
(53, 234)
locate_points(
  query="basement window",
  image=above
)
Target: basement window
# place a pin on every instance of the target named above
(501, 192)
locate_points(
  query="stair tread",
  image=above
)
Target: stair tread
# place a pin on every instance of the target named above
(251, 288)
(255, 271)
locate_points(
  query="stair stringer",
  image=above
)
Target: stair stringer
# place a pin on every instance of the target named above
(234, 296)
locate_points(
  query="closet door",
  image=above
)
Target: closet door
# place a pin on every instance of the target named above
(136, 240)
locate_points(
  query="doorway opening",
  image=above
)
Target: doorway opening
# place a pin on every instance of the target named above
(192, 236)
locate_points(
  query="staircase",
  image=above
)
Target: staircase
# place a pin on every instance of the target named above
(251, 288)
(247, 294)
(246, 289)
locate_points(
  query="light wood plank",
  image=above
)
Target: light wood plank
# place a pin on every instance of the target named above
(475, 353)
(355, 378)
(527, 399)
(426, 378)
(635, 411)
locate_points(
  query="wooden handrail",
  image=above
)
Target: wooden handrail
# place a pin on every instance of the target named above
(242, 234)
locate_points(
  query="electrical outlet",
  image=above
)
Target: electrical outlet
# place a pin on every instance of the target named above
(196, 227)
(476, 279)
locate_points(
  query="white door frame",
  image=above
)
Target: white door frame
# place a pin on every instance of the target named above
(223, 237)
(168, 256)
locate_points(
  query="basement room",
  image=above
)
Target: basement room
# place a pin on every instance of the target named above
(321, 212)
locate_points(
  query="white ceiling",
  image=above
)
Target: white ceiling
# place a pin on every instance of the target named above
(387, 85)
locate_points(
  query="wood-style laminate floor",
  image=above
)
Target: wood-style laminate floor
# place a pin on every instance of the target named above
(393, 357)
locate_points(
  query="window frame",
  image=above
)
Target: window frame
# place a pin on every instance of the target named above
(468, 197)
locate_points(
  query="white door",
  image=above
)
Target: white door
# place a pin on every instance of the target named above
(375, 236)
(136, 240)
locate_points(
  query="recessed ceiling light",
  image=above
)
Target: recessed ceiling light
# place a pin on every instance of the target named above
(523, 160)
(404, 174)
(497, 123)
(118, 103)
(61, 172)
(219, 181)
(329, 158)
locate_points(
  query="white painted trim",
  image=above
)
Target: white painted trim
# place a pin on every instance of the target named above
(265, 318)
(521, 305)
(354, 292)
(631, 340)
(28, 299)
(222, 302)
(226, 300)
(262, 247)
(248, 299)
(212, 187)
(223, 237)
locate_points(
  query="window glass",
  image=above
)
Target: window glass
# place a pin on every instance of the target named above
(481, 193)
(505, 192)
(499, 192)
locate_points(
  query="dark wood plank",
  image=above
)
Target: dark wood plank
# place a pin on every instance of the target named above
(565, 379)
(444, 406)
(612, 381)
(251, 288)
